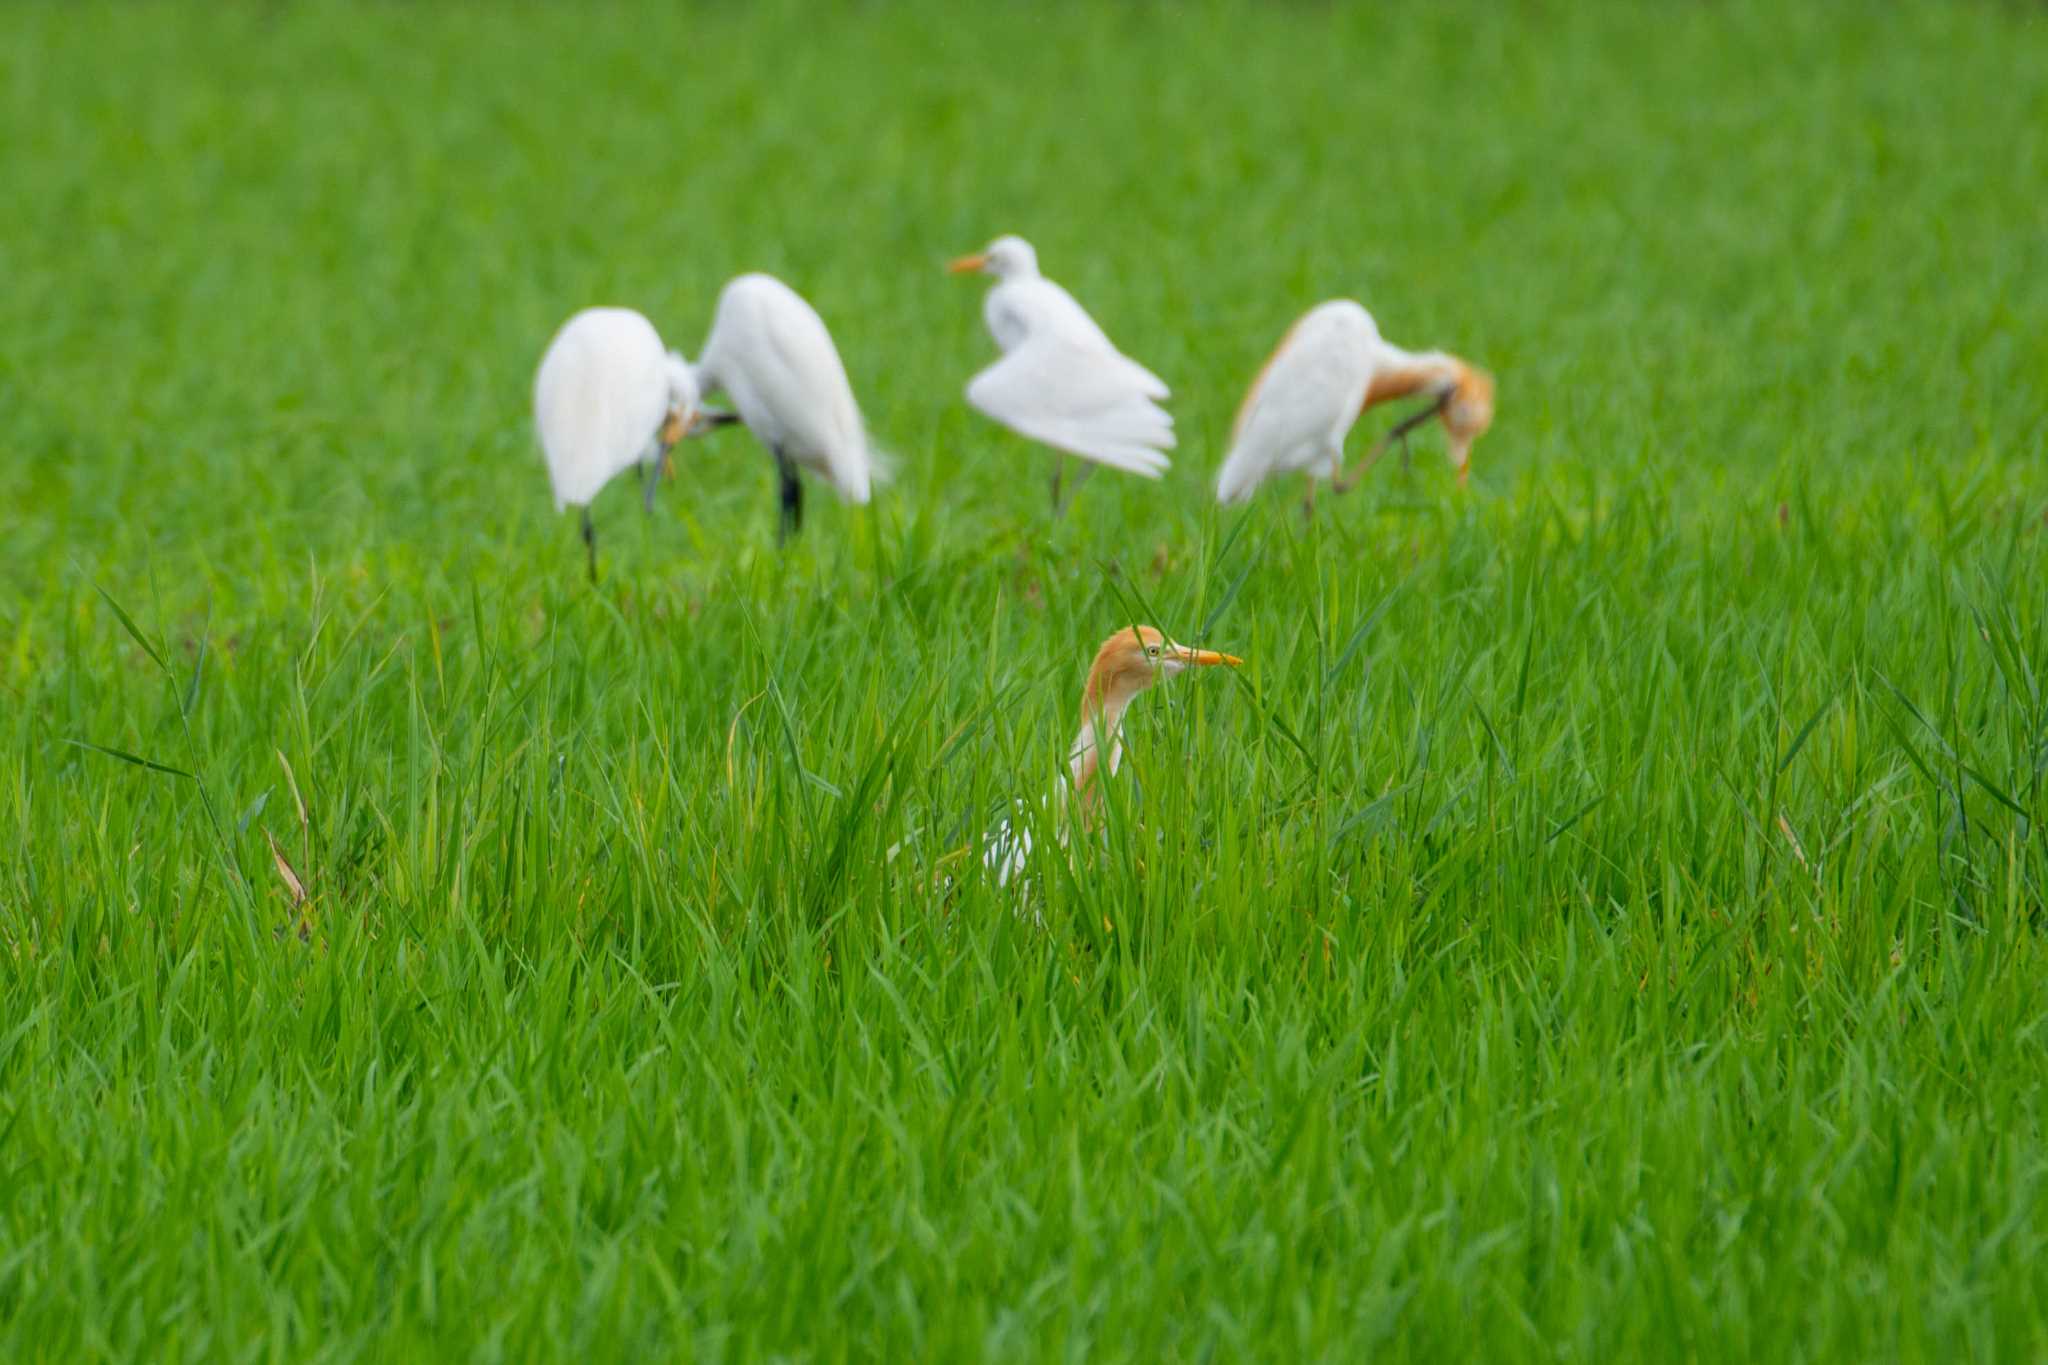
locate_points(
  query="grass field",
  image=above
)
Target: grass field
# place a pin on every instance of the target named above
(1604, 919)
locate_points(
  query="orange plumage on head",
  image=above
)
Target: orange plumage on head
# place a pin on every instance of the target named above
(1122, 668)
(1470, 410)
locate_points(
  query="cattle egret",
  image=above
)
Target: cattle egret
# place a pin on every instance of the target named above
(1129, 662)
(1060, 380)
(607, 397)
(770, 354)
(1331, 366)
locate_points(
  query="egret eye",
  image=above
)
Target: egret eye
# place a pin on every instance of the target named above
(1153, 650)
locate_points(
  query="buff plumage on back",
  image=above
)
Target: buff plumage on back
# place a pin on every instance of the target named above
(1251, 395)
(1304, 398)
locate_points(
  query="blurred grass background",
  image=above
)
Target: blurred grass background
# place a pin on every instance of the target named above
(1604, 918)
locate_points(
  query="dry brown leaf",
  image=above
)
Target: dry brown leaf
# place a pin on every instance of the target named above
(292, 884)
(1798, 849)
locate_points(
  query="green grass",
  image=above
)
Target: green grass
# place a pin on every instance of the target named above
(1604, 919)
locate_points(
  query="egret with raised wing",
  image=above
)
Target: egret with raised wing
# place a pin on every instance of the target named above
(1061, 380)
(1331, 366)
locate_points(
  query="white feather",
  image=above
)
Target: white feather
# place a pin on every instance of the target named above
(770, 353)
(1055, 391)
(1007, 850)
(1061, 380)
(603, 390)
(1304, 401)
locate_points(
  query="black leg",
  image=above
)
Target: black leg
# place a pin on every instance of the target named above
(1414, 420)
(651, 480)
(1059, 472)
(792, 501)
(590, 543)
(1399, 433)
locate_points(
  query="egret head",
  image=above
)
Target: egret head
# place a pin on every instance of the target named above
(1007, 258)
(1468, 412)
(1136, 657)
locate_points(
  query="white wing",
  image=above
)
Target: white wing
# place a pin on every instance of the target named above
(1304, 400)
(1062, 381)
(1024, 310)
(771, 354)
(599, 400)
(1077, 399)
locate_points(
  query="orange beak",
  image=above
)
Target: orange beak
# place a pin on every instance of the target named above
(967, 264)
(1206, 657)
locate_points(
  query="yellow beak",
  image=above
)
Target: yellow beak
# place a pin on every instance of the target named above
(966, 264)
(1206, 657)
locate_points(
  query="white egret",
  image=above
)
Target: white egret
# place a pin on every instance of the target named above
(607, 397)
(769, 352)
(1129, 661)
(1061, 380)
(1331, 366)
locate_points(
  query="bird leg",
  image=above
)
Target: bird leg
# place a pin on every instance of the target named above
(590, 544)
(1399, 432)
(1412, 421)
(1059, 470)
(1308, 504)
(652, 478)
(792, 501)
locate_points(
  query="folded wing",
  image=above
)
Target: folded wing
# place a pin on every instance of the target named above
(599, 398)
(1305, 398)
(773, 356)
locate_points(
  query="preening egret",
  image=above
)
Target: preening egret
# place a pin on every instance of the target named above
(770, 354)
(1129, 662)
(608, 397)
(1331, 366)
(1061, 380)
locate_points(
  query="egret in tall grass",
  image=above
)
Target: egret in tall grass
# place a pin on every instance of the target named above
(1331, 366)
(608, 396)
(1128, 663)
(1061, 380)
(769, 352)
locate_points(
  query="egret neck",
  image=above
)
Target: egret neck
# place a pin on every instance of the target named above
(1128, 662)
(1463, 394)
